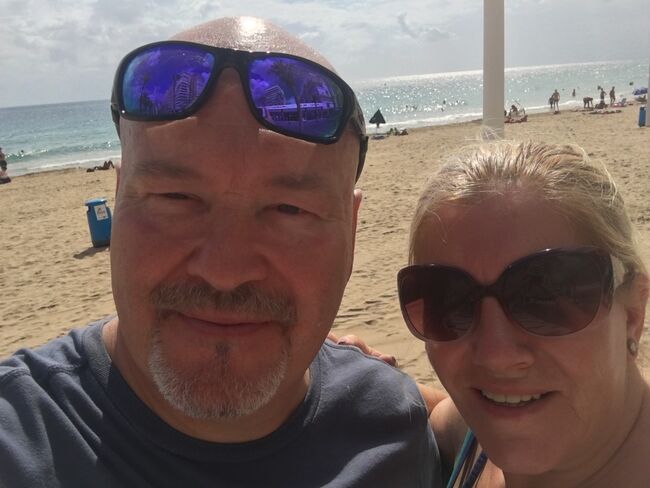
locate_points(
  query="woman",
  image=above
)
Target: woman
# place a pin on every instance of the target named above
(527, 287)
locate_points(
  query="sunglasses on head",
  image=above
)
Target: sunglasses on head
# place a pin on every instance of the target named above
(553, 292)
(287, 94)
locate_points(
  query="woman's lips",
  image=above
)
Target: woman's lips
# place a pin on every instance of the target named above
(511, 399)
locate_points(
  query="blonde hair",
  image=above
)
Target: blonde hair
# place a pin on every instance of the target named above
(562, 175)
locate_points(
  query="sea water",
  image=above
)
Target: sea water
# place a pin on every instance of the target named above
(45, 137)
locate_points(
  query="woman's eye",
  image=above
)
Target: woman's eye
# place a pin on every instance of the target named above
(289, 209)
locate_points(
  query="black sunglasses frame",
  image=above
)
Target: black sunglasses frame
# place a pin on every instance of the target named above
(240, 61)
(600, 258)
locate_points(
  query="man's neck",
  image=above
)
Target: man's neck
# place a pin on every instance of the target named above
(259, 424)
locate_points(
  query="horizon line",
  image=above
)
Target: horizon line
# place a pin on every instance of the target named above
(385, 78)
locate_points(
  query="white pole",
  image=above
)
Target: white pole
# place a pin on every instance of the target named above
(493, 67)
(647, 103)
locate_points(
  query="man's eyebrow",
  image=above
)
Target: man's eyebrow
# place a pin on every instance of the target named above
(164, 169)
(300, 182)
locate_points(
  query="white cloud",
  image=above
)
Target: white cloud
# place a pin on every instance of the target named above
(60, 50)
(428, 33)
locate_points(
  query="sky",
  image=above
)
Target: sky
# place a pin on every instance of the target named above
(67, 50)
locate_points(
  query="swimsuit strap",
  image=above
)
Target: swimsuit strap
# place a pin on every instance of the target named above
(466, 456)
(476, 471)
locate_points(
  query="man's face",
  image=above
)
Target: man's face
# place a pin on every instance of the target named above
(230, 250)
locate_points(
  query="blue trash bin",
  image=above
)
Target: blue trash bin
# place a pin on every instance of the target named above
(642, 116)
(99, 222)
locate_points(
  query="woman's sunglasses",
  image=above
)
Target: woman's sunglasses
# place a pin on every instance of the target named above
(287, 94)
(553, 292)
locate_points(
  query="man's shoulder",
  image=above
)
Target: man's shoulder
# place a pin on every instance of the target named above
(345, 356)
(61, 355)
(358, 376)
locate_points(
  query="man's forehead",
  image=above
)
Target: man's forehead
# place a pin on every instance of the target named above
(250, 34)
(188, 143)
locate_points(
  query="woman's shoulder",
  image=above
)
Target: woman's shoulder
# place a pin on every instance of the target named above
(449, 428)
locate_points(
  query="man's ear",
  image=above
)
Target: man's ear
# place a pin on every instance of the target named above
(118, 176)
(356, 204)
(634, 302)
(357, 196)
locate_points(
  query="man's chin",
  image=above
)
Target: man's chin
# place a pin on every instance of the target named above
(216, 387)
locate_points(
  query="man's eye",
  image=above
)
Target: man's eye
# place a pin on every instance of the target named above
(175, 196)
(289, 209)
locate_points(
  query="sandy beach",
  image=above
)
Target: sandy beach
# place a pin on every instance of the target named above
(52, 279)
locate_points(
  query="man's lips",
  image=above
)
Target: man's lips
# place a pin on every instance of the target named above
(219, 323)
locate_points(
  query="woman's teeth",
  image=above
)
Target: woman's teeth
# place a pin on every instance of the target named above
(510, 400)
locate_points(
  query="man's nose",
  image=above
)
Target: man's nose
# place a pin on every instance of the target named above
(229, 253)
(499, 345)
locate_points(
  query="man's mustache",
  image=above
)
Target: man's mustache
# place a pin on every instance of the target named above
(246, 299)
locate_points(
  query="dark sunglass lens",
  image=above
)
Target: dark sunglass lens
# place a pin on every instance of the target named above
(166, 80)
(296, 96)
(556, 293)
(437, 302)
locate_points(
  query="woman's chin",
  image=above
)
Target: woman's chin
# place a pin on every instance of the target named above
(521, 463)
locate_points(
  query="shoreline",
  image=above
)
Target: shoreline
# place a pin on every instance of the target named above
(52, 279)
(416, 124)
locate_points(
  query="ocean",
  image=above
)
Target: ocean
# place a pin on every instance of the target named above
(45, 137)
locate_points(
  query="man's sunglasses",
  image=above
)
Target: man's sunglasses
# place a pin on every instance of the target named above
(553, 292)
(287, 94)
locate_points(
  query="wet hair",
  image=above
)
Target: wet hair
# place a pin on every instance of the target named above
(562, 175)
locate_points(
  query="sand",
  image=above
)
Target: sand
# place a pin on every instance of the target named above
(52, 279)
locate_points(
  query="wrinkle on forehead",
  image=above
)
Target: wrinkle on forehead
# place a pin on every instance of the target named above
(250, 34)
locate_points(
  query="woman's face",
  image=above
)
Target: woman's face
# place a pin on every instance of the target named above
(571, 389)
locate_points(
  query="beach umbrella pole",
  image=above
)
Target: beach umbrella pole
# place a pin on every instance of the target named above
(493, 67)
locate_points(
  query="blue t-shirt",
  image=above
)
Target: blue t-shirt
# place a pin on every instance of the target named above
(68, 418)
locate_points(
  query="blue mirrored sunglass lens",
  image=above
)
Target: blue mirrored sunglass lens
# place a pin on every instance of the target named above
(165, 80)
(296, 96)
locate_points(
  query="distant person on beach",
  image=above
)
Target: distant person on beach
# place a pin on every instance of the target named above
(602, 96)
(573, 93)
(4, 177)
(555, 97)
(612, 96)
(107, 165)
(230, 251)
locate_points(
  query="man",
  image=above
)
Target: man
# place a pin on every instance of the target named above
(232, 243)
(612, 95)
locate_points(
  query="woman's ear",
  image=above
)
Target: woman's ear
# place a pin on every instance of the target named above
(635, 299)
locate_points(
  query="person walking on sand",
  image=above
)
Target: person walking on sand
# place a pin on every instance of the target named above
(229, 259)
(612, 96)
(555, 97)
